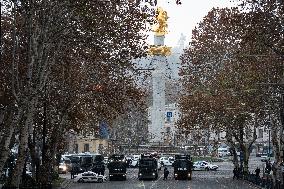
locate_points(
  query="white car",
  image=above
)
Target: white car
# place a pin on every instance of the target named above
(204, 165)
(159, 165)
(89, 176)
(171, 159)
(222, 152)
(135, 160)
(165, 161)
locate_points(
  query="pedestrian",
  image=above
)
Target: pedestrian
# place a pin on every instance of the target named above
(72, 171)
(235, 172)
(75, 169)
(268, 167)
(166, 173)
(257, 172)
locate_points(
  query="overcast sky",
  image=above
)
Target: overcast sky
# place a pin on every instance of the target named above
(183, 18)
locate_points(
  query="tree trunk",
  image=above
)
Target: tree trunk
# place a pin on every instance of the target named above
(23, 144)
(246, 154)
(6, 140)
(276, 137)
(233, 147)
(34, 156)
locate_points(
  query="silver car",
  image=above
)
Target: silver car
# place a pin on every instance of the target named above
(89, 176)
(204, 165)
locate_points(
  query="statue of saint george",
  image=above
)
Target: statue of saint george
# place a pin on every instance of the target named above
(161, 19)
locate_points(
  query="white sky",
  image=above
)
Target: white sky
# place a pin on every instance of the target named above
(183, 18)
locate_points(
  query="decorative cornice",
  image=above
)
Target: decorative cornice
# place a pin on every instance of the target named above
(159, 50)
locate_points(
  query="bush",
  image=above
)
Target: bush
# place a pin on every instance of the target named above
(55, 176)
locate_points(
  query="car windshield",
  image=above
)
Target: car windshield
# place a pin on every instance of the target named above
(147, 163)
(98, 158)
(67, 161)
(182, 164)
(87, 174)
(118, 165)
(87, 160)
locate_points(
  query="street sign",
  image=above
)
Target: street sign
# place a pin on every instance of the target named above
(169, 114)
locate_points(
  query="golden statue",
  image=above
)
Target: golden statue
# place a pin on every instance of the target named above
(160, 30)
(161, 18)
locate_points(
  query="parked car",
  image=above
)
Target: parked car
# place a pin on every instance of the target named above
(89, 176)
(204, 165)
(171, 159)
(135, 160)
(223, 152)
(159, 165)
(165, 161)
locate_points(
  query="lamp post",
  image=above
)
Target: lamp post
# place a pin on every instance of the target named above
(269, 143)
(269, 136)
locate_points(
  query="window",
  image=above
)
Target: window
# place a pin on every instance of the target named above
(86, 147)
(76, 148)
(101, 146)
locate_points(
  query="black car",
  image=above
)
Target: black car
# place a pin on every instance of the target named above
(117, 167)
(148, 167)
(182, 167)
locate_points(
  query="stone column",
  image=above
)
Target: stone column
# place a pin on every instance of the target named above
(158, 106)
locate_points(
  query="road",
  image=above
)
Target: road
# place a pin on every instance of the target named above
(201, 180)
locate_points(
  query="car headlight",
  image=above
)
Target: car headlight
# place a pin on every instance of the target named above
(153, 174)
(63, 167)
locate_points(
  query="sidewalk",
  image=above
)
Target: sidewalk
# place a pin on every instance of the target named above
(67, 182)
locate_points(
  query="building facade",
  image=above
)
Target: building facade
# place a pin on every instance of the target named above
(86, 141)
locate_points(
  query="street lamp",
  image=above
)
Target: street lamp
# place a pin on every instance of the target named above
(269, 130)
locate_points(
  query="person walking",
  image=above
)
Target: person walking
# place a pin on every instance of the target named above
(166, 173)
(257, 172)
(268, 167)
(72, 171)
(235, 172)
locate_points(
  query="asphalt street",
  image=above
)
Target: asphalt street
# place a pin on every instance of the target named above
(222, 178)
(200, 180)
